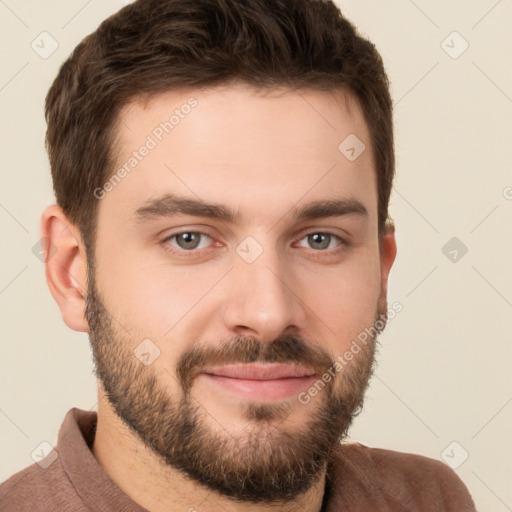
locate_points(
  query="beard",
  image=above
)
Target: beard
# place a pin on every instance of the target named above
(268, 463)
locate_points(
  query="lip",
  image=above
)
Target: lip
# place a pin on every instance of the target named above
(260, 371)
(262, 382)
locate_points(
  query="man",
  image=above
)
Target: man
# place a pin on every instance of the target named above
(222, 171)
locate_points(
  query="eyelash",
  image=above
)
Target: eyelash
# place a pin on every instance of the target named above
(195, 252)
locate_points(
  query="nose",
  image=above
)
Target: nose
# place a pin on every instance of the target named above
(262, 299)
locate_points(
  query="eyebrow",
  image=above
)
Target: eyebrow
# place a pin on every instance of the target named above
(170, 204)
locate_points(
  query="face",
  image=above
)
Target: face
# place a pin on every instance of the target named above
(237, 259)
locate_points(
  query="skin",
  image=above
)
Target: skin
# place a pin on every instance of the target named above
(264, 155)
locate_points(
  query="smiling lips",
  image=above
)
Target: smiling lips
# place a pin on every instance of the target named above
(261, 381)
(255, 371)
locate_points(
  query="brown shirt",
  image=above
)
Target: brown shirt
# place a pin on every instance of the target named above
(364, 479)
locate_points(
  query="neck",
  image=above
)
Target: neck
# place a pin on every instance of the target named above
(156, 486)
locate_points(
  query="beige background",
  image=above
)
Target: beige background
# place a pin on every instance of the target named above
(444, 372)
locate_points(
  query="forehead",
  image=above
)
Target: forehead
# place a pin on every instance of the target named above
(234, 144)
(242, 114)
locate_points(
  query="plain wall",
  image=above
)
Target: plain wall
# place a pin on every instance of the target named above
(444, 363)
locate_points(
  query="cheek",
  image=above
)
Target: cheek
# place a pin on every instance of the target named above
(151, 297)
(344, 298)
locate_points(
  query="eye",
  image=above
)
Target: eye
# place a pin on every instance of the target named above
(193, 241)
(188, 240)
(321, 240)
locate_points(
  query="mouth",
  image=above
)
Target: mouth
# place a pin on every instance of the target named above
(260, 381)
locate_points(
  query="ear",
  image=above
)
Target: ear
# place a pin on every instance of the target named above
(387, 255)
(65, 266)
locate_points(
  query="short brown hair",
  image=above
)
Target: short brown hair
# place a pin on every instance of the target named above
(153, 46)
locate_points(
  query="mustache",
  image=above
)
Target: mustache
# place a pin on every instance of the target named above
(288, 348)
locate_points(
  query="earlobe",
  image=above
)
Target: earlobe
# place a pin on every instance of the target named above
(65, 266)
